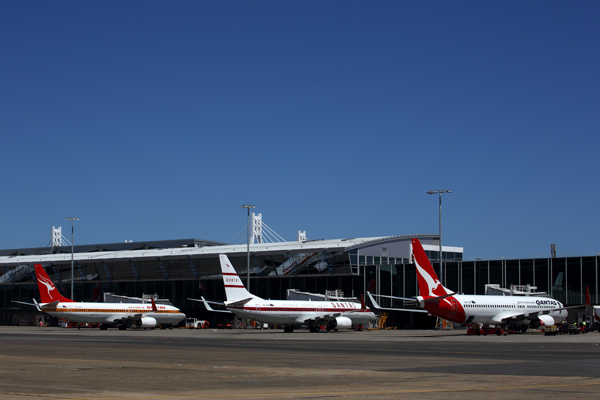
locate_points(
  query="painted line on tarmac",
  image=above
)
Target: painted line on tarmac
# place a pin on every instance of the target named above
(292, 394)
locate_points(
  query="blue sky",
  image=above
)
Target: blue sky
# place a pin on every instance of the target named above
(157, 120)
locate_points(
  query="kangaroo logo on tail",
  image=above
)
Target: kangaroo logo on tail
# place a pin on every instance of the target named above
(48, 292)
(48, 283)
(429, 283)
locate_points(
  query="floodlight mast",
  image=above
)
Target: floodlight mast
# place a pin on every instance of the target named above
(72, 219)
(248, 207)
(442, 274)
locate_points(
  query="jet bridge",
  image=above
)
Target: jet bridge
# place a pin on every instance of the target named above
(146, 298)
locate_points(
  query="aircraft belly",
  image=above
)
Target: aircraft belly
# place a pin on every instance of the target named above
(168, 318)
(481, 319)
(359, 318)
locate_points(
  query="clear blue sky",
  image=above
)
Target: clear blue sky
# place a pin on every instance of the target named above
(157, 120)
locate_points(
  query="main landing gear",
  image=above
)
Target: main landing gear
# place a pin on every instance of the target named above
(485, 330)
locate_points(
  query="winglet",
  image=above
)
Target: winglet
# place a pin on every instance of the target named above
(375, 305)
(208, 307)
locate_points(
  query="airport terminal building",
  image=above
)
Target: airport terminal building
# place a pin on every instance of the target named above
(181, 269)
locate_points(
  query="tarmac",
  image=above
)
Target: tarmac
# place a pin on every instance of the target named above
(59, 363)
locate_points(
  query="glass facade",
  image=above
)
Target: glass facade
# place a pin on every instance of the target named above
(272, 275)
(565, 279)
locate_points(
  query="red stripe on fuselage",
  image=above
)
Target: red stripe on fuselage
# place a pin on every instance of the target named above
(299, 309)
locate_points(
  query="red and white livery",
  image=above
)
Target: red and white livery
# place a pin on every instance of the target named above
(441, 302)
(122, 315)
(292, 314)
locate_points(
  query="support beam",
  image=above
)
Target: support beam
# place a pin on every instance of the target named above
(192, 267)
(137, 278)
(162, 268)
(106, 271)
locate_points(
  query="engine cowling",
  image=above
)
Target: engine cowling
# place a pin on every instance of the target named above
(147, 322)
(546, 320)
(341, 323)
(542, 320)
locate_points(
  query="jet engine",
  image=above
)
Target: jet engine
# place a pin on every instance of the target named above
(146, 322)
(544, 320)
(341, 323)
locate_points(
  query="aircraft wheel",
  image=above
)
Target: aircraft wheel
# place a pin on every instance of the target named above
(122, 327)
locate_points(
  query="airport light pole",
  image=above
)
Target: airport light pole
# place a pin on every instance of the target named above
(248, 207)
(442, 275)
(72, 219)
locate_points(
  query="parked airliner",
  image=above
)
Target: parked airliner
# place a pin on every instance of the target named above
(522, 311)
(291, 314)
(122, 315)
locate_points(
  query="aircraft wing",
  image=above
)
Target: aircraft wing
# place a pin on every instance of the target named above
(376, 305)
(505, 316)
(324, 318)
(130, 317)
(508, 316)
(35, 304)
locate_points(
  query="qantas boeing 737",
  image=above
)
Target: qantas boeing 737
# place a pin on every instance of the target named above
(520, 311)
(106, 314)
(291, 314)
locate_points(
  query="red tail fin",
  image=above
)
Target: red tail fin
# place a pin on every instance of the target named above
(363, 306)
(48, 292)
(429, 283)
(588, 301)
(372, 286)
(154, 308)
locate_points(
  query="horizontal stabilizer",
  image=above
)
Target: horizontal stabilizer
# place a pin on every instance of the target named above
(238, 303)
(395, 298)
(50, 305)
(437, 298)
(377, 307)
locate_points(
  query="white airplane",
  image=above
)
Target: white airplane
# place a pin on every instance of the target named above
(520, 311)
(291, 314)
(106, 314)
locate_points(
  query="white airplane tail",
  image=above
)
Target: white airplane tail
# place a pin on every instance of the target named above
(235, 290)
